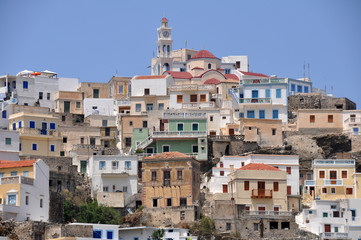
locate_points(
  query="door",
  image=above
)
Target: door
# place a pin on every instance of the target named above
(261, 188)
(261, 210)
(327, 227)
(44, 127)
(333, 177)
(225, 188)
(83, 166)
(231, 131)
(312, 190)
(161, 126)
(166, 178)
(66, 106)
(193, 98)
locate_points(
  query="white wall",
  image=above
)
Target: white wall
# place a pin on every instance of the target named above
(68, 84)
(103, 228)
(143, 233)
(104, 106)
(158, 87)
(233, 59)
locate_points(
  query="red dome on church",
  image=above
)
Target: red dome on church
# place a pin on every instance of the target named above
(204, 54)
(164, 20)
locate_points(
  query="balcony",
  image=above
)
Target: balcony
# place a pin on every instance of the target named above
(226, 137)
(180, 134)
(191, 87)
(38, 132)
(335, 235)
(333, 182)
(115, 173)
(263, 81)
(17, 179)
(192, 115)
(120, 102)
(261, 193)
(198, 105)
(268, 213)
(310, 183)
(353, 120)
(334, 162)
(255, 100)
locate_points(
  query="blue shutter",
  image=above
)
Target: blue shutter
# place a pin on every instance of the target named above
(306, 89)
(4, 114)
(52, 125)
(250, 114)
(299, 88)
(32, 124)
(14, 126)
(20, 124)
(278, 93)
(275, 114)
(25, 84)
(293, 87)
(268, 93)
(262, 114)
(52, 148)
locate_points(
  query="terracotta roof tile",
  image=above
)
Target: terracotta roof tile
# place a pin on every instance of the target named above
(231, 76)
(254, 74)
(182, 75)
(151, 77)
(204, 54)
(212, 81)
(16, 164)
(259, 166)
(168, 155)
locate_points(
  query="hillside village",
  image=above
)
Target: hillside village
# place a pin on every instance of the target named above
(201, 148)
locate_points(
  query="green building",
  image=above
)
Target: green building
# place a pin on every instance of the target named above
(183, 132)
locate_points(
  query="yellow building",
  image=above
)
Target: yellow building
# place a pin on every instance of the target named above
(69, 102)
(312, 120)
(332, 179)
(24, 190)
(170, 179)
(260, 187)
(39, 133)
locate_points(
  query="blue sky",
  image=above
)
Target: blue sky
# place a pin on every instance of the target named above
(94, 39)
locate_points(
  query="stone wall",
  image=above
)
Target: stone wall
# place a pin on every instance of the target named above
(56, 207)
(170, 216)
(61, 230)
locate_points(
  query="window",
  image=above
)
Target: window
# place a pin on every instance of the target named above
(146, 91)
(228, 226)
(14, 173)
(349, 191)
(333, 174)
(48, 96)
(227, 71)
(211, 118)
(321, 174)
(25, 84)
(288, 169)
(154, 176)
(194, 98)
(273, 131)
(194, 148)
(183, 202)
(353, 214)
(179, 174)
(62, 153)
(3, 113)
(180, 126)
(109, 234)
(35, 147)
(101, 165)
(209, 66)
(261, 114)
(128, 165)
(105, 189)
(238, 64)
(166, 148)
(128, 141)
(195, 126)
(40, 95)
(92, 141)
(169, 202)
(26, 173)
(166, 178)
(2, 174)
(125, 189)
(120, 89)
(275, 114)
(52, 148)
(273, 225)
(179, 98)
(254, 93)
(52, 126)
(255, 226)
(145, 124)
(289, 190)
(138, 107)
(250, 114)
(97, 234)
(12, 199)
(333, 190)
(344, 173)
(312, 118)
(293, 87)
(14, 126)
(104, 123)
(65, 139)
(26, 200)
(299, 88)
(202, 97)
(325, 214)
(130, 123)
(246, 185)
(161, 106)
(41, 203)
(95, 93)
(14, 84)
(107, 131)
(305, 89)
(330, 118)
(336, 214)
(149, 106)
(268, 93)
(8, 141)
(155, 202)
(285, 225)
(115, 164)
(278, 93)
(221, 173)
(275, 186)
(333, 206)
(225, 188)
(63, 118)
(324, 190)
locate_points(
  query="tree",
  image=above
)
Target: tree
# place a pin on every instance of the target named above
(158, 234)
(205, 228)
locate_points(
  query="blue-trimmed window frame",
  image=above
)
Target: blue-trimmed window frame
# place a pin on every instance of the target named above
(278, 93)
(268, 93)
(299, 88)
(306, 89)
(20, 124)
(25, 85)
(32, 124)
(34, 147)
(275, 114)
(293, 87)
(3, 113)
(96, 233)
(52, 148)
(112, 232)
(12, 199)
(52, 126)
(250, 114)
(262, 114)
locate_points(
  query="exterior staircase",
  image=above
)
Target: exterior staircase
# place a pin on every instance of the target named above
(145, 143)
(235, 94)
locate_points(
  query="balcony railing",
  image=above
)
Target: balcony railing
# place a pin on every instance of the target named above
(167, 115)
(198, 105)
(36, 132)
(333, 182)
(16, 179)
(119, 102)
(353, 120)
(192, 87)
(180, 134)
(335, 235)
(263, 81)
(310, 183)
(336, 161)
(268, 213)
(255, 100)
(227, 137)
(261, 193)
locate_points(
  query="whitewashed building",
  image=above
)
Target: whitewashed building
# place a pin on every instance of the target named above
(9, 145)
(332, 219)
(99, 106)
(114, 178)
(352, 122)
(227, 164)
(101, 231)
(145, 233)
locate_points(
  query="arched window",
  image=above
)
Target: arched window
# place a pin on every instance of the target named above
(158, 72)
(164, 48)
(168, 50)
(166, 67)
(209, 66)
